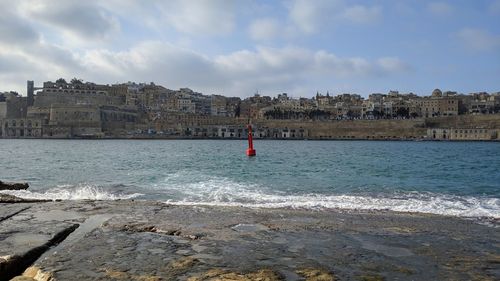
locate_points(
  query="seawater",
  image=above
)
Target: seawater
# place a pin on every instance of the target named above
(450, 178)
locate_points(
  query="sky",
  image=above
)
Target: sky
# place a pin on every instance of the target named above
(239, 48)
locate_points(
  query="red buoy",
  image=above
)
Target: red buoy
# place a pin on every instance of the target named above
(250, 150)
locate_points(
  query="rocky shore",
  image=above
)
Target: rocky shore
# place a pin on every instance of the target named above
(146, 241)
(13, 186)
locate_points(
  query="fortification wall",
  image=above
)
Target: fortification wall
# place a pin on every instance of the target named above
(487, 121)
(355, 129)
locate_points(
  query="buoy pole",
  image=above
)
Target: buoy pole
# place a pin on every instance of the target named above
(250, 150)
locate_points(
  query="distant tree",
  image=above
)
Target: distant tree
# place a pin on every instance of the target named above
(76, 81)
(403, 112)
(275, 113)
(317, 114)
(237, 111)
(61, 81)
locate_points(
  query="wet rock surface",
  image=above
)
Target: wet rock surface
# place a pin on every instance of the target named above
(144, 240)
(7, 198)
(24, 238)
(13, 186)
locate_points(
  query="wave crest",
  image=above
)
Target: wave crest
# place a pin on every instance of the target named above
(69, 192)
(219, 191)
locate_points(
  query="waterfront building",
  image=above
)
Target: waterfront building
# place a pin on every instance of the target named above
(67, 121)
(462, 134)
(21, 128)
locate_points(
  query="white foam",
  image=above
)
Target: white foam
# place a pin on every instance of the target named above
(220, 191)
(68, 192)
(468, 207)
(217, 191)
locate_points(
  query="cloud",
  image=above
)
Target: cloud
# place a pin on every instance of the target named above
(12, 63)
(14, 31)
(362, 14)
(393, 64)
(199, 17)
(36, 36)
(194, 17)
(237, 73)
(440, 9)
(308, 16)
(313, 16)
(37, 61)
(478, 39)
(152, 61)
(81, 20)
(291, 66)
(25, 54)
(265, 29)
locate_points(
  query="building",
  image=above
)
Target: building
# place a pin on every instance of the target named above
(12, 105)
(21, 128)
(76, 93)
(69, 121)
(218, 105)
(462, 134)
(30, 90)
(439, 105)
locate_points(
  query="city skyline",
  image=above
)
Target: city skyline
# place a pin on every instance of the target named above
(238, 48)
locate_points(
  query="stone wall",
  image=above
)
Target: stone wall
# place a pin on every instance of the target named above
(46, 99)
(356, 129)
(486, 121)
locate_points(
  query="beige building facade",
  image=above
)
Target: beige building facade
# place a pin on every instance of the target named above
(21, 128)
(463, 134)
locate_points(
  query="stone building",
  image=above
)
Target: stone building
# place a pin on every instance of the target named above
(75, 94)
(12, 105)
(240, 131)
(439, 105)
(116, 120)
(474, 134)
(21, 128)
(462, 134)
(67, 121)
(218, 105)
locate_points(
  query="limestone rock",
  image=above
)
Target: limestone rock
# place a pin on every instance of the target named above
(314, 274)
(7, 198)
(13, 186)
(224, 275)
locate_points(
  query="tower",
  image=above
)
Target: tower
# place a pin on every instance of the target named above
(30, 92)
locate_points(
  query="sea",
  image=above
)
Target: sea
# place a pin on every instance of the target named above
(447, 178)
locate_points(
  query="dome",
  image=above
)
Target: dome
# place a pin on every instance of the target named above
(437, 93)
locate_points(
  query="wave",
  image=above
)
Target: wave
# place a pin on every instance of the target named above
(185, 188)
(217, 191)
(70, 192)
(440, 205)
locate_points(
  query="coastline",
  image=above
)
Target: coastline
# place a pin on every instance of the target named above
(148, 240)
(263, 139)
